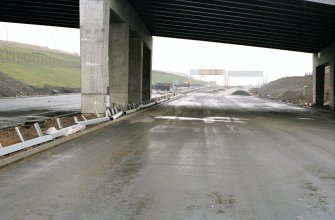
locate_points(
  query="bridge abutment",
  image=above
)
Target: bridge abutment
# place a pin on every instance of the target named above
(322, 59)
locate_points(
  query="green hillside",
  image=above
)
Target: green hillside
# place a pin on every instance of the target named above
(39, 67)
(36, 52)
(39, 76)
(164, 77)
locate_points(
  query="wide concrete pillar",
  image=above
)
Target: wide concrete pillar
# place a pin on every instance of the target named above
(94, 37)
(118, 63)
(135, 70)
(104, 37)
(326, 57)
(146, 80)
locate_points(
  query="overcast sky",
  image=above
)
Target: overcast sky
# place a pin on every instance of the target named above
(177, 55)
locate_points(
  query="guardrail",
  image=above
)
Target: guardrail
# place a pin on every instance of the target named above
(52, 134)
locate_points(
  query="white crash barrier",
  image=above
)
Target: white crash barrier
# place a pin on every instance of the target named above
(162, 100)
(93, 121)
(62, 132)
(117, 115)
(53, 133)
(130, 111)
(25, 144)
(148, 105)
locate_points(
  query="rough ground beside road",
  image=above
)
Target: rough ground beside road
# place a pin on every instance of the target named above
(16, 110)
(206, 156)
(10, 87)
(290, 89)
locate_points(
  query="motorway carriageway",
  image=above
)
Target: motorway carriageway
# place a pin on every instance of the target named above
(208, 155)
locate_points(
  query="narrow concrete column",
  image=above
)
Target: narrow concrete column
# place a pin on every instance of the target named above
(135, 70)
(118, 63)
(318, 83)
(146, 82)
(94, 37)
(332, 83)
(315, 64)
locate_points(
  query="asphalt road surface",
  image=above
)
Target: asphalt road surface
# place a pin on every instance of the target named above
(208, 155)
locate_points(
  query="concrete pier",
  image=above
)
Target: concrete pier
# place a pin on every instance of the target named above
(135, 70)
(118, 64)
(94, 24)
(113, 64)
(321, 60)
(146, 80)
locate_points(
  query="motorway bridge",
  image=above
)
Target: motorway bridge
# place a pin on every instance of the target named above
(116, 36)
(209, 155)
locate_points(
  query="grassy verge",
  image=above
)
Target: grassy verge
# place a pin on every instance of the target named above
(160, 76)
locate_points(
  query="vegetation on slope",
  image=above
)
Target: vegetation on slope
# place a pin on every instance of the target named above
(30, 70)
(38, 66)
(40, 76)
(164, 77)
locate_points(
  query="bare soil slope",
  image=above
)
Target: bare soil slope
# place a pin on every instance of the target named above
(290, 89)
(11, 87)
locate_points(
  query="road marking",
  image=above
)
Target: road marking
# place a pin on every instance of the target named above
(206, 120)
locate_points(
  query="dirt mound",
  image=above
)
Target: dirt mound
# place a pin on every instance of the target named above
(291, 89)
(10, 87)
(241, 92)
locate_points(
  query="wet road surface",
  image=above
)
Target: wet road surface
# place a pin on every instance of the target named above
(204, 156)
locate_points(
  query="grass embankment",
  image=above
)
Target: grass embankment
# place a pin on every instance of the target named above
(164, 77)
(38, 52)
(39, 76)
(39, 67)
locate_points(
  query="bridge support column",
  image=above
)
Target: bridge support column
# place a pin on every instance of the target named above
(135, 70)
(332, 83)
(146, 81)
(104, 38)
(321, 60)
(118, 64)
(94, 23)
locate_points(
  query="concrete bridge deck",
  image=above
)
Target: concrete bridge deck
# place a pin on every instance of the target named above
(205, 156)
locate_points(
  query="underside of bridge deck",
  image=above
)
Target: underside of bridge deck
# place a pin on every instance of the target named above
(296, 25)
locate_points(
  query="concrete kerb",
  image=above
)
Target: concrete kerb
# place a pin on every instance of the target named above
(43, 147)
